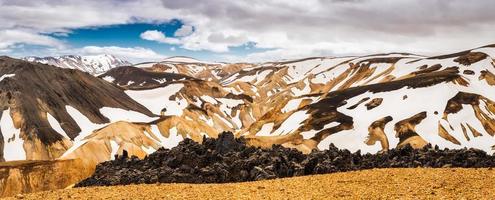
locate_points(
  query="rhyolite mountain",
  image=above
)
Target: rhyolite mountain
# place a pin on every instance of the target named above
(41, 108)
(369, 103)
(95, 64)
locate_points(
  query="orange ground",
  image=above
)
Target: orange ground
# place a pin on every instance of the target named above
(419, 183)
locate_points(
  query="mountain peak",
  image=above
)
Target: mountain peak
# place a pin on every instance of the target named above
(34, 96)
(93, 64)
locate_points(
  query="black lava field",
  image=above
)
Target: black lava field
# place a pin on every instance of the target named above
(229, 159)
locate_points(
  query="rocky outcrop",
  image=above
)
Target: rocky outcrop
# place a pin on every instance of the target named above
(374, 103)
(470, 58)
(488, 77)
(483, 107)
(405, 130)
(377, 133)
(229, 160)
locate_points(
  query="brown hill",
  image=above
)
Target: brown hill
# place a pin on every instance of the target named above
(32, 90)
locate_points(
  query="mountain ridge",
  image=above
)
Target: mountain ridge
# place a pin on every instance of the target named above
(307, 103)
(95, 64)
(369, 104)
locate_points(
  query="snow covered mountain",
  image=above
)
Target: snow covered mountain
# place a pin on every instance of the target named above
(91, 64)
(44, 109)
(368, 103)
(211, 71)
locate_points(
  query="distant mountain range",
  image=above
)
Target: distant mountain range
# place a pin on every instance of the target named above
(92, 64)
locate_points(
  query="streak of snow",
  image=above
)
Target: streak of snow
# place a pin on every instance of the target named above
(12, 150)
(209, 99)
(265, 130)
(109, 79)
(118, 114)
(56, 125)
(6, 76)
(115, 148)
(291, 123)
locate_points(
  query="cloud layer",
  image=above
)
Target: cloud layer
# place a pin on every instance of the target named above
(289, 28)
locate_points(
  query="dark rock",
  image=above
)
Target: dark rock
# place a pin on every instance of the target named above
(226, 142)
(228, 159)
(468, 72)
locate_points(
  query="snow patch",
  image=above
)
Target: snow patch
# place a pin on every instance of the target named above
(291, 123)
(265, 130)
(114, 149)
(119, 114)
(157, 99)
(12, 150)
(109, 79)
(56, 125)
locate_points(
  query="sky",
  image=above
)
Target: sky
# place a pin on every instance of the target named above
(242, 30)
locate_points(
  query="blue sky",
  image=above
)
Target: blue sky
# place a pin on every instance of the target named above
(242, 30)
(129, 36)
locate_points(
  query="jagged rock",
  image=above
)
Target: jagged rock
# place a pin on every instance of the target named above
(226, 143)
(374, 103)
(228, 159)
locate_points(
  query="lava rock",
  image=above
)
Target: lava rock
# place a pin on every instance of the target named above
(229, 159)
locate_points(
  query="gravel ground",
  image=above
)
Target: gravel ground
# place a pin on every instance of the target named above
(417, 183)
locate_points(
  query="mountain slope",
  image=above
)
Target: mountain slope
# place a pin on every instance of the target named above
(91, 64)
(210, 71)
(394, 89)
(368, 103)
(42, 106)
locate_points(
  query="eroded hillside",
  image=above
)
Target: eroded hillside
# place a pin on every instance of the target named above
(369, 103)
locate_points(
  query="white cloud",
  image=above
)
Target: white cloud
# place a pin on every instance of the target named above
(184, 30)
(35, 18)
(289, 28)
(196, 42)
(9, 38)
(135, 54)
(292, 28)
(158, 36)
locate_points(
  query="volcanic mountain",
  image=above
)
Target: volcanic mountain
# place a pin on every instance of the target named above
(211, 71)
(43, 108)
(92, 64)
(369, 103)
